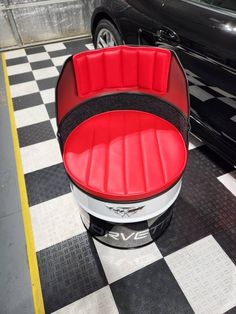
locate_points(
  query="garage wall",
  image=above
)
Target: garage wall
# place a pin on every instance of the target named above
(24, 22)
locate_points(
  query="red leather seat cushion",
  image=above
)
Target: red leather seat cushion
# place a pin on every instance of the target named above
(125, 155)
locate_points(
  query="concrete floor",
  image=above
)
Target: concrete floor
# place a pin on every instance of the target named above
(15, 284)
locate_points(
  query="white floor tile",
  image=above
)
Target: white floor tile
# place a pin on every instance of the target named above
(199, 93)
(233, 118)
(24, 89)
(55, 220)
(15, 54)
(190, 73)
(54, 125)
(90, 46)
(59, 60)
(45, 73)
(48, 95)
(206, 275)
(38, 57)
(19, 68)
(194, 142)
(40, 155)
(55, 47)
(31, 115)
(195, 81)
(120, 263)
(98, 302)
(229, 181)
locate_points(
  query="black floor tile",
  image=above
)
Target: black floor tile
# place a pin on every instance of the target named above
(204, 164)
(47, 83)
(186, 227)
(227, 240)
(15, 61)
(190, 83)
(152, 289)
(75, 46)
(21, 78)
(204, 206)
(78, 43)
(58, 53)
(211, 91)
(27, 101)
(45, 184)
(41, 64)
(232, 311)
(36, 49)
(69, 271)
(59, 68)
(35, 133)
(51, 109)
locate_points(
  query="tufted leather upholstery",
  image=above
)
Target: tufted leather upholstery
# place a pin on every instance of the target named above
(125, 155)
(122, 69)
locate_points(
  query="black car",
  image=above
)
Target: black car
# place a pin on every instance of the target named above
(203, 35)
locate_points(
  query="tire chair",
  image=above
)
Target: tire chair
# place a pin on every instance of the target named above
(123, 121)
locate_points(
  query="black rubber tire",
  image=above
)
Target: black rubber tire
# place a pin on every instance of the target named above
(111, 28)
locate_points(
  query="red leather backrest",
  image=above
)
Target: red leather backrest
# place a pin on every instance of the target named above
(149, 70)
(122, 68)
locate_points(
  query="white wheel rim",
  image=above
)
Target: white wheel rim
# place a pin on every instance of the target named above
(105, 39)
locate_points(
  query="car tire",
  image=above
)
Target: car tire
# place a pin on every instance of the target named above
(106, 35)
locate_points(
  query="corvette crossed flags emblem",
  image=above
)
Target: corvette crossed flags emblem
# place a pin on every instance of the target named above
(124, 211)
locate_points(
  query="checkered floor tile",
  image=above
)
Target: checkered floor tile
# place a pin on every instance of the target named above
(189, 269)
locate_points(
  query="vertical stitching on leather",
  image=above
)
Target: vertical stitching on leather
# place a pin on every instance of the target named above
(90, 158)
(104, 71)
(153, 69)
(161, 157)
(138, 70)
(123, 154)
(141, 153)
(107, 147)
(121, 66)
(88, 76)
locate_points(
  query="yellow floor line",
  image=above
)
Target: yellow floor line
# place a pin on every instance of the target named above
(32, 258)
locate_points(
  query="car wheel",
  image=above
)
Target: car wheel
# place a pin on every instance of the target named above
(106, 35)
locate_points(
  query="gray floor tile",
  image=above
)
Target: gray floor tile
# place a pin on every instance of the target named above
(43, 185)
(69, 271)
(35, 133)
(23, 102)
(152, 289)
